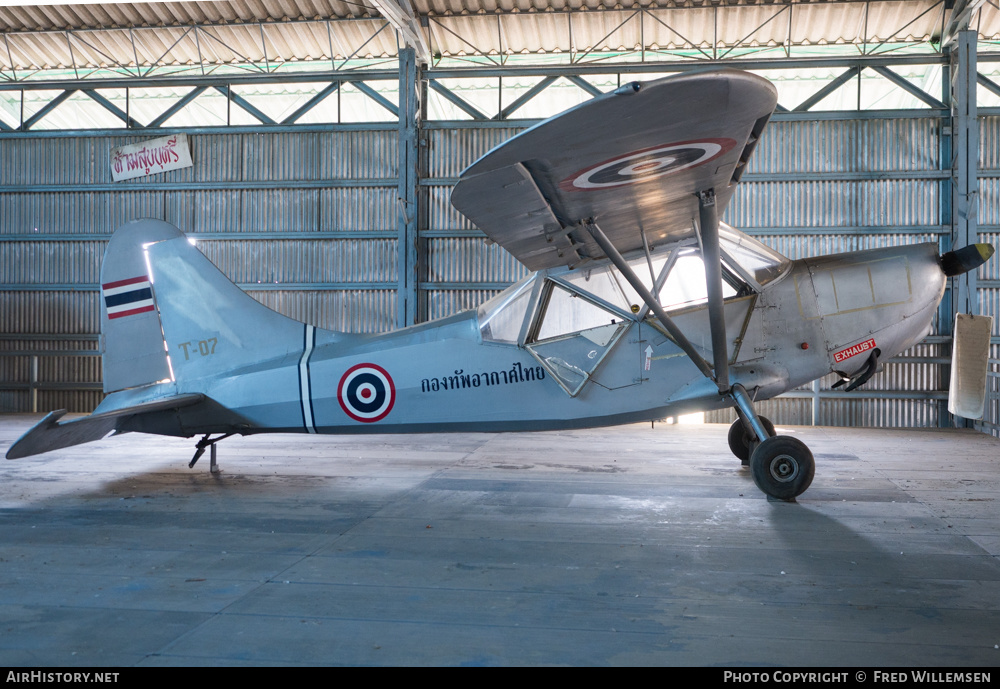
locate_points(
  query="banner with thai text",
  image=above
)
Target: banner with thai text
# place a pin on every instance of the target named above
(150, 157)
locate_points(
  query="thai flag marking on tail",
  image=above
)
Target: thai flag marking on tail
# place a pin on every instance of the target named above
(128, 297)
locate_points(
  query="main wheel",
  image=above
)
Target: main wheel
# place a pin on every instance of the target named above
(740, 441)
(782, 467)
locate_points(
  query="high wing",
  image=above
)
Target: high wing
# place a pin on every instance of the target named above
(632, 161)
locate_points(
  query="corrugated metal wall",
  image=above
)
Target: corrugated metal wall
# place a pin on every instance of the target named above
(307, 222)
(304, 221)
(989, 274)
(461, 271)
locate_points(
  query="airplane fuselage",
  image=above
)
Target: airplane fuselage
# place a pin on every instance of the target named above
(823, 314)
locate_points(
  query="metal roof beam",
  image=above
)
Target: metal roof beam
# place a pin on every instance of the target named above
(531, 93)
(111, 107)
(459, 102)
(377, 97)
(475, 49)
(49, 107)
(178, 106)
(908, 87)
(243, 103)
(961, 15)
(585, 85)
(402, 17)
(828, 89)
(755, 30)
(990, 85)
(311, 103)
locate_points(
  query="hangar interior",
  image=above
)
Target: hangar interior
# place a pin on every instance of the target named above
(326, 136)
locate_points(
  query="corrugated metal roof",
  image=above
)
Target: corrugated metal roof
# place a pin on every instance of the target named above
(270, 32)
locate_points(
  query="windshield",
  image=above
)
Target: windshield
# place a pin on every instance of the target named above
(760, 262)
(501, 318)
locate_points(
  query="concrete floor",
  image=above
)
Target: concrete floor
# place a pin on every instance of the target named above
(622, 546)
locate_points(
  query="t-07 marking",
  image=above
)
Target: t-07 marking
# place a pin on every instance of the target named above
(201, 347)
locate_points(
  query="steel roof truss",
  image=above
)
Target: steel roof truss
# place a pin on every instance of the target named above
(111, 107)
(166, 52)
(675, 31)
(875, 49)
(311, 103)
(604, 38)
(75, 35)
(178, 106)
(402, 17)
(755, 30)
(585, 85)
(908, 87)
(376, 96)
(828, 89)
(958, 20)
(243, 103)
(456, 100)
(531, 93)
(46, 109)
(484, 53)
(990, 85)
(359, 49)
(252, 66)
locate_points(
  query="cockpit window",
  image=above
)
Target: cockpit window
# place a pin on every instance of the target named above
(501, 318)
(568, 312)
(561, 302)
(573, 335)
(686, 286)
(761, 263)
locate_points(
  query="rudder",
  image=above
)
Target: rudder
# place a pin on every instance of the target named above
(131, 336)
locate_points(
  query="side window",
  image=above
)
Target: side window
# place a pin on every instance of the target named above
(685, 285)
(567, 312)
(573, 336)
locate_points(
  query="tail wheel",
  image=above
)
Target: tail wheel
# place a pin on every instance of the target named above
(741, 442)
(782, 467)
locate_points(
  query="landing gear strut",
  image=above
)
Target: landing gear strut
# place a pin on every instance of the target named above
(781, 466)
(742, 442)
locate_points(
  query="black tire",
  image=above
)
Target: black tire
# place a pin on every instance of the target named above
(782, 467)
(740, 441)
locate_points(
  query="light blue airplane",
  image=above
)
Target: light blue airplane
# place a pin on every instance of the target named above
(642, 305)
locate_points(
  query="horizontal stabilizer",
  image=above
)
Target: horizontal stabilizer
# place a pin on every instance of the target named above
(969, 364)
(48, 434)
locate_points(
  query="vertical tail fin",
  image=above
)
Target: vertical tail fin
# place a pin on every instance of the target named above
(210, 325)
(169, 313)
(132, 347)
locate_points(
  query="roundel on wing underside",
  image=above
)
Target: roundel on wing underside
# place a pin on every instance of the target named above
(646, 164)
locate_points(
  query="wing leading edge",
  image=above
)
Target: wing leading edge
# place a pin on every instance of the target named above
(633, 160)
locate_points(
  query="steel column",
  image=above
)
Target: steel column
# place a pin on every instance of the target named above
(965, 147)
(409, 183)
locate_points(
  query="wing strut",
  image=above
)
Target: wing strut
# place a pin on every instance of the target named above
(708, 233)
(712, 256)
(626, 270)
